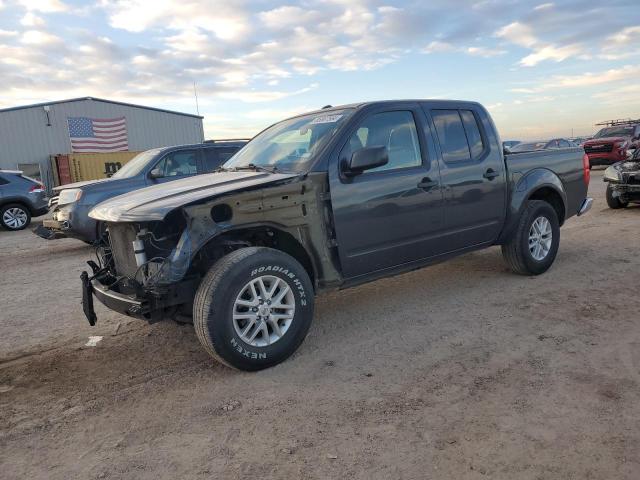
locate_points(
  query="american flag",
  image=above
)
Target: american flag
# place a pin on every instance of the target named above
(98, 134)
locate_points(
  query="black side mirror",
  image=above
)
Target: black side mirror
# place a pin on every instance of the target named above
(156, 173)
(366, 159)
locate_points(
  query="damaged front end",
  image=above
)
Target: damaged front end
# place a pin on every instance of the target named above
(624, 180)
(152, 269)
(142, 268)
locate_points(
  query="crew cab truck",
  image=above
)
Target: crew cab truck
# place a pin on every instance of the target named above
(328, 200)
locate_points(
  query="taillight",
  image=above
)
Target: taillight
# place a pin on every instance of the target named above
(36, 188)
(585, 169)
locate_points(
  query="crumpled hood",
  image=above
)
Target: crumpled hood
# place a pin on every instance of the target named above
(155, 202)
(80, 184)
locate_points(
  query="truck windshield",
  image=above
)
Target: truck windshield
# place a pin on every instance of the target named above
(290, 146)
(615, 132)
(134, 166)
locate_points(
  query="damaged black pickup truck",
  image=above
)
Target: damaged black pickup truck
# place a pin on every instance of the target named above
(328, 200)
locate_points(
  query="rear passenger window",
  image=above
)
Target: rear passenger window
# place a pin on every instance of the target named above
(451, 135)
(473, 133)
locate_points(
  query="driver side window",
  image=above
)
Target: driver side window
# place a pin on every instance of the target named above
(394, 130)
(179, 163)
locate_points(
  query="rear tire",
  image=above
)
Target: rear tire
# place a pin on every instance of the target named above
(614, 202)
(533, 247)
(230, 313)
(15, 216)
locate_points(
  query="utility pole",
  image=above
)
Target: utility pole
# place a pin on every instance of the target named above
(195, 94)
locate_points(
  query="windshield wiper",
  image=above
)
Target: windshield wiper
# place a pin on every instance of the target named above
(261, 168)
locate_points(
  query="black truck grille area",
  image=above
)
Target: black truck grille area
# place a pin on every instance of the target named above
(631, 178)
(121, 237)
(599, 148)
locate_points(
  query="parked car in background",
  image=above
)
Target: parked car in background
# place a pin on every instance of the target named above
(322, 201)
(579, 141)
(73, 202)
(623, 179)
(509, 144)
(611, 144)
(21, 198)
(541, 145)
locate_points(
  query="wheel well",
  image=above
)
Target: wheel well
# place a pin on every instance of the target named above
(16, 202)
(553, 198)
(265, 236)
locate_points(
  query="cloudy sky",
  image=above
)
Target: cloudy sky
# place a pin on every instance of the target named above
(543, 69)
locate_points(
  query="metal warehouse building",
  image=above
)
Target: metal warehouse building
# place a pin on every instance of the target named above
(30, 134)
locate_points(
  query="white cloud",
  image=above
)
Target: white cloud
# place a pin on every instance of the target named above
(32, 20)
(225, 19)
(518, 34)
(37, 37)
(45, 6)
(438, 47)
(523, 35)
(584, 80)
(485, 52)
(544, 6)
(257, 96)
(551, 52)
(8, 33)
(589, 79)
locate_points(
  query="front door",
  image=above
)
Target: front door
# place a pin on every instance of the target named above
(392, 214)
(178, 164)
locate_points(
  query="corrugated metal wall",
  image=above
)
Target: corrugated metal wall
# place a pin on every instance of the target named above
(25, 136)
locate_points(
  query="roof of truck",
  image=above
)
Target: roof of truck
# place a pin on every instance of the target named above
(357, 105)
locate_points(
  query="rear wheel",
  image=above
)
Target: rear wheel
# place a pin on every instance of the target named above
(254, 308)
(534, 245)
(613, 200)
(15, 216)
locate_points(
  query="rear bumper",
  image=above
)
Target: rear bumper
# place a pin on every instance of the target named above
(585, 206)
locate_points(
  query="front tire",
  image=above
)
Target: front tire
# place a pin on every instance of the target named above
(15, 216)
(254, 308)
(533, 247)
(614, 202)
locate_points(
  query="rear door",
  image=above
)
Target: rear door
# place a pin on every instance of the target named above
(390, 215)
(472, 174)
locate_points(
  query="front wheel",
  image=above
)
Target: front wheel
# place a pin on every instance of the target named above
(534, 245)
(254, 308)
(614, 201)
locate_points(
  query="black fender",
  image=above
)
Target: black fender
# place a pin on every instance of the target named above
(524, 187)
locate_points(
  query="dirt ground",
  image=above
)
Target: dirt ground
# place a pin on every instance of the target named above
(458, 371)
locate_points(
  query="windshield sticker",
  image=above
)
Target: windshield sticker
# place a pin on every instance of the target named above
(326, 119)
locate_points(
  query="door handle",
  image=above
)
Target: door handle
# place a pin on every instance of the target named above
(490, 174)
(427, 184)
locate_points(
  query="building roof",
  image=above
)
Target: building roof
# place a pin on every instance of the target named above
(80, 99)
